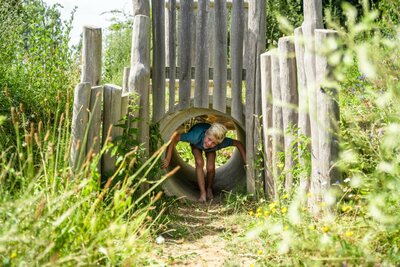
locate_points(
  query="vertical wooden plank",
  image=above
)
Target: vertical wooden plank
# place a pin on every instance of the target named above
(125, 80)
(95, 121)
(201, 74)
(141, 7)
(139, 76)
(158, 79)
(266, 95)
(328, 118)
(312, 20)
(277, 122)
(245, 35)
(290, 100)
(80, 117)
(193, 31)
(220, 53)
(172, 53)
(91, 55)
(185, 44)
(111, 117)
(237, 33)
(304, 118)
(256, 44)
(210, 37)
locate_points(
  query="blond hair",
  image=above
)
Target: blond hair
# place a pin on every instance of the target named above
(218, 131)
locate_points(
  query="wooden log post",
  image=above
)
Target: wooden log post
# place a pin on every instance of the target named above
(256, 44)
(290, 100)
(158, 79)
(237, 33)
(91, 55)
(141, 7)
(277, 120)
(94, 133)
(266, 95)
(139, 77)
(201, 75)
(172, 53)
(210, 37)
(304, 118)
(185, 48)
(80, 118)
(125, 80)
(111, 117)
(312, 20)
(220, 54)
(328, 118)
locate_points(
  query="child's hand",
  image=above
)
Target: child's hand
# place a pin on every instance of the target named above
(165, 164)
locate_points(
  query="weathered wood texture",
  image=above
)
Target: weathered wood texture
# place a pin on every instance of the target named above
(304, 117)
(111, 117)
(328, 121)
(125, 80)
(139, 77)
(220, 54)
(210, 37)
(94, 132)
(312, 20)
(80, 118)
(237, 33)
(201, 74)
(256, 44)
(277, 122)
(266, 95)
(172, 53)
(290, 100)
(185, 44)
(158, 78)
(141, 7)
(91, 55)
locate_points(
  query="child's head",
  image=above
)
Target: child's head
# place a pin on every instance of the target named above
(215, 135)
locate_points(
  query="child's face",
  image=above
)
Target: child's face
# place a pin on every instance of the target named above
(209, 141)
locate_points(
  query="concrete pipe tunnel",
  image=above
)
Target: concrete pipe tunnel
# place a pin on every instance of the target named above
(231, 176)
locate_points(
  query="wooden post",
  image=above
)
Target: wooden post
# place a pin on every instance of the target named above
(201, 81)
(312, 20)
(266, 97)
(328, 118)
(193, 33)
(94, 132)
(172, 53)
(237, 33)
(141, 7)
(139, 77)
(245, 35)
(290, 101)
(91, 55)
(277, 122)
(210, 37)
(185, 44)
(256, 44)
(220, 54)
(80, 117)
(304, 118)
(158, 79)
(111, 117)
(125, 80)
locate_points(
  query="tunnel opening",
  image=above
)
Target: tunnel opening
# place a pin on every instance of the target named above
(230, 174)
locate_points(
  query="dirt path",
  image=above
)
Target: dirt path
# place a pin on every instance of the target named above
(201, 235)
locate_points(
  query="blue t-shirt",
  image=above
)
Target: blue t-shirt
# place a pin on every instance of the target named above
(195, 136)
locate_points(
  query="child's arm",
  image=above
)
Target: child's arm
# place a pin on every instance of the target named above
(241, 149)
(174, 140)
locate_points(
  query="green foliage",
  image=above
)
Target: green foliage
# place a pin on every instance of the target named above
(36, 62)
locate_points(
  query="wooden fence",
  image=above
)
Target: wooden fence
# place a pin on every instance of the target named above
(284, 86)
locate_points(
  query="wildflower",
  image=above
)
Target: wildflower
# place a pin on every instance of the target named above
(311, 227)
(325, 229)
(348, 233)
(266, 213)
(273, 210)
(285, 196)
(251, 213)
(272, 205)
(346, 208)
(13, 254)
(259, 210)
(347, 180)
(284, 210)
(258, 214)
(259, 252)
(286, 228)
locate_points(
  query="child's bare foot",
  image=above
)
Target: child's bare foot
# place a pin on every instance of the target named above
(210, 193)
(202, 199)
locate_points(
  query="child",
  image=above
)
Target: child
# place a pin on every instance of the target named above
(207, 138)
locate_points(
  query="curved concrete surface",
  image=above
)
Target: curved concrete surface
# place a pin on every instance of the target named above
(229, 177)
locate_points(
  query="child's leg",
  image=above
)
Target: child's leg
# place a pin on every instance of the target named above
(199, 165)
(210, 166)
